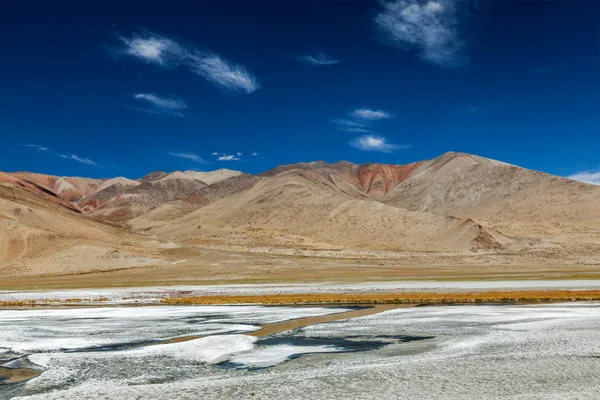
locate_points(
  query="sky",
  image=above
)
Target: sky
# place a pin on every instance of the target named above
(122, 88)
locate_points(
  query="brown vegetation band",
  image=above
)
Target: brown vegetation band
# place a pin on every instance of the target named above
(379, 298)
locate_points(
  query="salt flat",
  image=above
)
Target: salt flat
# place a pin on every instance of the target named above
(450, 352)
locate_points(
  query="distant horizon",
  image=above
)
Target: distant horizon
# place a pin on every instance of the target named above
(239, 169)
(299, 162)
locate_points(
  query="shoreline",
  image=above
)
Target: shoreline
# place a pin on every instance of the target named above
(337, 299)
(327, 292)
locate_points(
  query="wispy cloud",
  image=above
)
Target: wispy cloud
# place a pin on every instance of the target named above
(355, 130)
(155, 49)
(169, 53)
(376, 143)
(190, 156)
(254, 154)
(350, 126)
(360, 120)
(431, 26)
(162, 102)
(345, 122)
(68, 156)
(228, 157)
(370, 114)
(318, 59)
(83, 160)
(592, 177)
(160, 105)
(37, 147)
(230, 76)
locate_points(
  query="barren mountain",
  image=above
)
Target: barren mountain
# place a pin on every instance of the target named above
(300, 208)
(39, 234)
(182, 206)
(456, 203)
(11, 181)
(135, 201)
(213, 176)
(342, 175)
(68, 188)
(153, 176)
(108, 191)
(379, 179)
(169, 211)
(122, 199)
(513, 199)
(371, 180)
(228, 186)
(125, 200)
(120, 181)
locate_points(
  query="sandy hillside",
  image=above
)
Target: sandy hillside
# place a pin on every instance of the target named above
(213, 176)
(228, 186)
(169, 211)
(119, 203)
(181, 206)
(68, 188)
(175, 193)
(515, 200)
(42, 236)
(358, 180)
(297, 208)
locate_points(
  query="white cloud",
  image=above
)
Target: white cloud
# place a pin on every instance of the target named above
(214, 68)
(592, 177)
(370, 114)
(375, 143)
(350, 126)
(83, 160)
(68, 156)
(155, 49)
(37, 147)
(354, 130)
(427, 25)
(254, 154)
(345, 122)
(160, 105)
(317, 59)
(167, 53)
(162, 102)
(228, 157)
(190, 156)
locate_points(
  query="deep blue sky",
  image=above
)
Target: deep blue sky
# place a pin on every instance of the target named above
(517, 81)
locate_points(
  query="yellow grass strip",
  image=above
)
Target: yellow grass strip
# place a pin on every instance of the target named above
(29, 303)
(396, 298)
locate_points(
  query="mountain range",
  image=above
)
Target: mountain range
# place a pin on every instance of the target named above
(455, 203)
